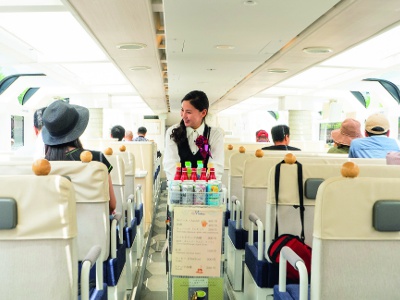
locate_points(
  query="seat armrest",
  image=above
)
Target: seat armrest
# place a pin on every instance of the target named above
(93, 257)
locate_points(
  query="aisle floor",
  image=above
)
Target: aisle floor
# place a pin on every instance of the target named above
(154, 286)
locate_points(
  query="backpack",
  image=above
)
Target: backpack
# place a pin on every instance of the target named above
(294, 242)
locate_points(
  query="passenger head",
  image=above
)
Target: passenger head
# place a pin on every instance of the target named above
(280, 134)
(118, 132)
(377, 124)
(128, 135)
(348, 131)
(38, 119)
(262, 136)
(142, 131)
(63, 124)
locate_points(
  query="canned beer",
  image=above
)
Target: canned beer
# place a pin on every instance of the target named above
(199, 195)
(213, 192)
(187, 192)
(175, 192)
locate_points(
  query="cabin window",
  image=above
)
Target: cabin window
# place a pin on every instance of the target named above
(17, 131)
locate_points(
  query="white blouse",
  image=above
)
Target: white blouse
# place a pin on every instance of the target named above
(216, 141)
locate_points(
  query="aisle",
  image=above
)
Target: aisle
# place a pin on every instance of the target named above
(154, 285)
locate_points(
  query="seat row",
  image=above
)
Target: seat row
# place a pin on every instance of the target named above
(115, 240)
(258, 191)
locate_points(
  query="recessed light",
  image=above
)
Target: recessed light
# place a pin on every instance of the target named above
(277, 71)
(139, 68)
(317, 50)
(250, 2)
(227, 47)
(131, 46)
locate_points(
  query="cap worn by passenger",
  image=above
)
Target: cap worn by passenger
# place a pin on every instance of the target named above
(262, 133)
(349, 130)
(377, 124)
(63, 122)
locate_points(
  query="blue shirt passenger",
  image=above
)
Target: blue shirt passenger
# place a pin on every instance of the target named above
(376, 144)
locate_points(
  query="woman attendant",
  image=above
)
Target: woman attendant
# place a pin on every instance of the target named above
(192, 139)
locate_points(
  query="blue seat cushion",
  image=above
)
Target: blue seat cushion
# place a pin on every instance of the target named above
(265, 274)
(139, 214)
(114, 266)
(227, 216)
(292, 292)
(99, 295)
(130, 233)
(239, 237)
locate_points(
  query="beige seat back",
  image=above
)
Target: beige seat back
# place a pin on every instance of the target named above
(236, 165)
(38, 230)
(255, 187)
(118, 180)
(313, 175)
(90, 181)
(130, 167)
(356, 246)
(92, 195)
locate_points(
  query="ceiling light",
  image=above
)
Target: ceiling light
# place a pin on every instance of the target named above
(131, 46)
(139, 68)
(317, 50)
(228, 47)
(277, 71)
(249, 2)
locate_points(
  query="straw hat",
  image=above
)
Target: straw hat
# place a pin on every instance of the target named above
(349, 130)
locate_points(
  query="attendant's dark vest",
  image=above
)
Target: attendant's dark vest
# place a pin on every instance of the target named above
(186, 154)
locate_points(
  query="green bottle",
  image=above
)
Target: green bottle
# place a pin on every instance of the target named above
(188, 165)
(199, 167)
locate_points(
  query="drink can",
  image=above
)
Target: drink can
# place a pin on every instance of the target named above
(213, 192)
(199, 195)
(187, 192)
(175, 192)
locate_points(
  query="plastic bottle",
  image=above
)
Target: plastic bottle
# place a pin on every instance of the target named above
(203, 175)
(178, 172)
(184, 175)
(193, 176)
(199, 167)
(188, 166)
(212, 174)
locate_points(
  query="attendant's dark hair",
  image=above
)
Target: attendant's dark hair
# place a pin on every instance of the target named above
(58, 152)
(198, 100)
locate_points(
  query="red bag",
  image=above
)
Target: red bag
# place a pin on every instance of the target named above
(298, 246)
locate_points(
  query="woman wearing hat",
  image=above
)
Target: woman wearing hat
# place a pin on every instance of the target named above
(192, 139)
(342, 137)
(63, 124)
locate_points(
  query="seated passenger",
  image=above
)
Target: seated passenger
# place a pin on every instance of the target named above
(342, 137)
(377, 143)
(262, 136)
(63, 124)
(128, 135)
(141, 135)
(118, 132)
(281, 138)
